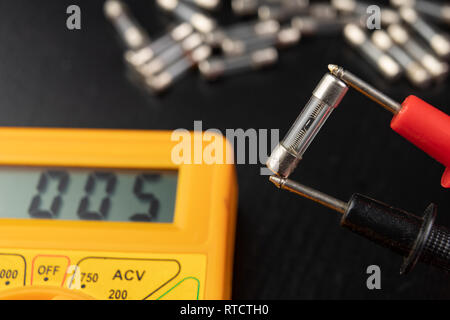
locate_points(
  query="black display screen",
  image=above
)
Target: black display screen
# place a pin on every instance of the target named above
(87, 194)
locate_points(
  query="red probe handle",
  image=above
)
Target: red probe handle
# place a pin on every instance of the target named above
(426, 127)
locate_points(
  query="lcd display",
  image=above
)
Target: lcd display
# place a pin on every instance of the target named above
(87, 194)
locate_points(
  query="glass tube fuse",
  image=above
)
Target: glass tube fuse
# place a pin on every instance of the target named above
(205, 4)
(282, 10)
(384, 63)
(137, 58)
(245, 7)
(242, 31)
(171, 55)
(285, 37)
(437, 68)
(436, 10)
(359, 8)
(287, 154)
(164, 79)
(313, 26)
(129, 30)
(415, 73)
(217, 67)
(437, 40)
(200, 21)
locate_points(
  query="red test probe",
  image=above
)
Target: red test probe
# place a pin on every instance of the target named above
(419, 122)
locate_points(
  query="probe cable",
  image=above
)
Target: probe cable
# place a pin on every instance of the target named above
(416, 238)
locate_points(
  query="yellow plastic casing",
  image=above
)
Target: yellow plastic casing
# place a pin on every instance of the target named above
(190, 258)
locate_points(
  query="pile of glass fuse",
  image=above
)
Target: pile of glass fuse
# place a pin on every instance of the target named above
(404, 43)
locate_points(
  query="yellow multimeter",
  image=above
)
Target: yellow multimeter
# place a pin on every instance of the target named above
(106, 214)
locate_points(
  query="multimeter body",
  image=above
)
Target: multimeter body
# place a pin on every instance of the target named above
(73, 246)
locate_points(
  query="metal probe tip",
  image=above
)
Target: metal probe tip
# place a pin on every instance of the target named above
(310, 193)
(365, 88)
(334, 69)
(277, 181)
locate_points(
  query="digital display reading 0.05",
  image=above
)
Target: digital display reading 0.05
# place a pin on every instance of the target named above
(87, 194)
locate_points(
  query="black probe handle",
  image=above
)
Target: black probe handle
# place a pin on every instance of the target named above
(416, 238)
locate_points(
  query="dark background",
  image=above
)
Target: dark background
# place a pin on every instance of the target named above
(286, 246)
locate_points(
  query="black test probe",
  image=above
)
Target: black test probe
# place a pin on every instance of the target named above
(416, 238)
